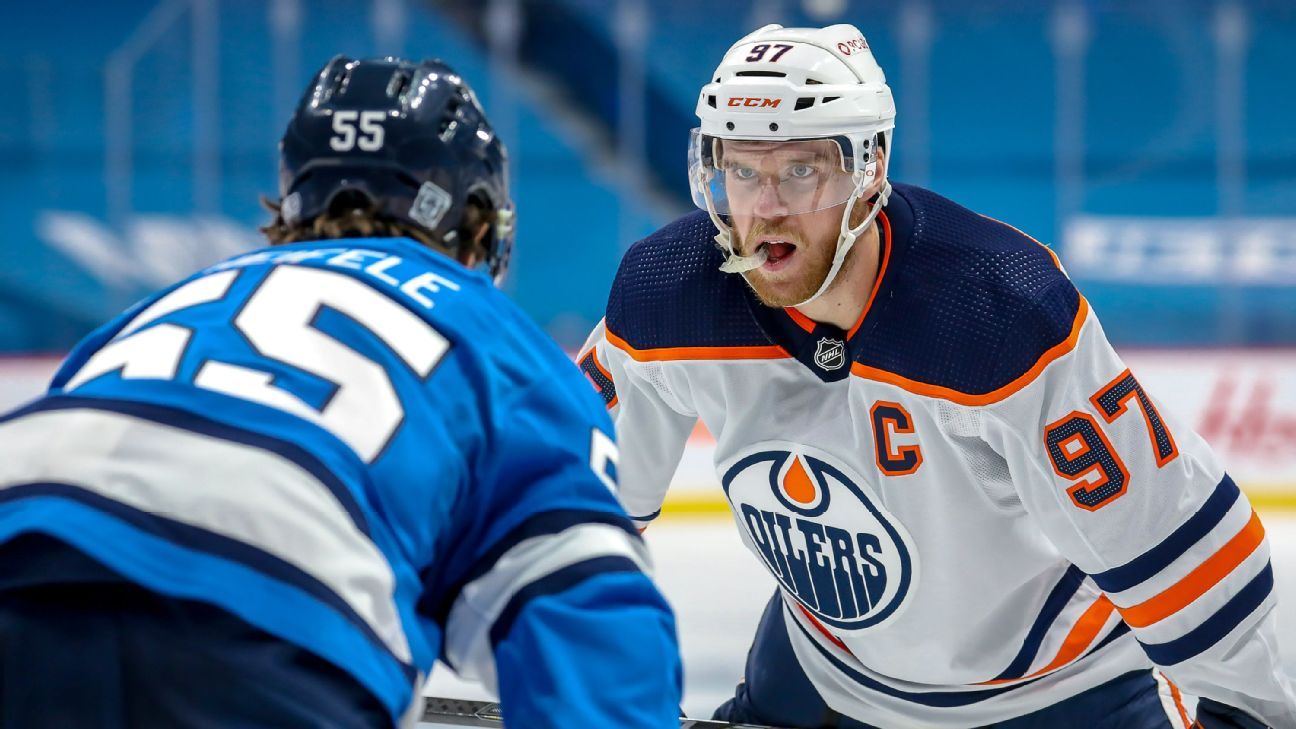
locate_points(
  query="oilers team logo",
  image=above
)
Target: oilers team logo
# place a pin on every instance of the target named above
(830, 545)
(830, 354)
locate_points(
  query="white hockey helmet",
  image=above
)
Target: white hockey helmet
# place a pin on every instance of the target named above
(780, 85)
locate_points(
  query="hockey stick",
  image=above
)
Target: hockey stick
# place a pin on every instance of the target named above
(462, 712)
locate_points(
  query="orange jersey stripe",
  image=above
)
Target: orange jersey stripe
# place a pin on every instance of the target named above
(1178, 700)
(663, 354)
(824, 631)
(806, 323)
(964, 398)
(877, 282)
(1197, 582)
(1082, 635)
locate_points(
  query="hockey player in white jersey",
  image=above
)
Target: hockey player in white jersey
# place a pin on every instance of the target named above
(976, 514)
(274, 493)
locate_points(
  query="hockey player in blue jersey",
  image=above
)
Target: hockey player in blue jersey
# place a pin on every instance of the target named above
(975, 514)
(273, 494)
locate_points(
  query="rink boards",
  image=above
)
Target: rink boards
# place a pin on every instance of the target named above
(1242, 401)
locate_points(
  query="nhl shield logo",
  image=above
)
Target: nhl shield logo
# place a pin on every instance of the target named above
(830, 354)
(833, 548)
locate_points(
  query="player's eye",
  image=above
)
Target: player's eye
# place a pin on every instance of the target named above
(738, 172)
(802, 171)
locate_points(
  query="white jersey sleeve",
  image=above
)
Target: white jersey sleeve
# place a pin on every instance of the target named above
(1138, 501)
(647, 412)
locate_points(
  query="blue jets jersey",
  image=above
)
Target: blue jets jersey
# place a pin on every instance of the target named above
(363, 448)
(972, 507)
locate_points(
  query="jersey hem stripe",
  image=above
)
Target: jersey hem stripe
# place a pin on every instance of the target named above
(1058, 599)
(197, 539)
(200, 425)
(1176, 700)
(822, 630)
(940, 699)
(1083, 634)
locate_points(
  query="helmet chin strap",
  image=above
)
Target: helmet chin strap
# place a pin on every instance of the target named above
(846, 237)
(733, 262)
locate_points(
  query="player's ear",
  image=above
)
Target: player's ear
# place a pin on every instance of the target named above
(469, 255)
(861, 208)
(480, 235)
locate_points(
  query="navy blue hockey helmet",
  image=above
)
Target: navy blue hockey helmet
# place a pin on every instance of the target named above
(411, 138)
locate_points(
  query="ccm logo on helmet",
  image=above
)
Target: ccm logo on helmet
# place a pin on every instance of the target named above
(855, 45)
(754, 102)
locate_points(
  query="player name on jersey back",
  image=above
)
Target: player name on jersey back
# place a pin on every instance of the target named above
(411, 280)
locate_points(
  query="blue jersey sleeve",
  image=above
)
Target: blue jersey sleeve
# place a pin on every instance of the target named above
(588, 651)
(558, 611)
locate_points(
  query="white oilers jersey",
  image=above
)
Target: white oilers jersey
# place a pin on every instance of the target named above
(972, 507)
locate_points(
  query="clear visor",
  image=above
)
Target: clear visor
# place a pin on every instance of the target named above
(769, 178)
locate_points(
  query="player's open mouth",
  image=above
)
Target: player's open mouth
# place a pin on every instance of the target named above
(777, 253)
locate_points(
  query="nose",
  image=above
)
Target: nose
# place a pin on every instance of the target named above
(769, 203)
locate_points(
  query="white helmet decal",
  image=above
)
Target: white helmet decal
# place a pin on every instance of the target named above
(783, 84)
